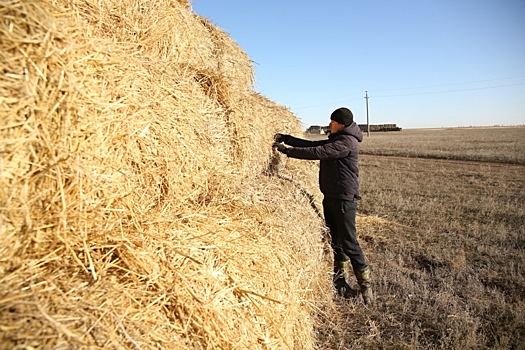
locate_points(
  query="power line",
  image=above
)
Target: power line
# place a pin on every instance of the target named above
(453, 84)
(336, 99)
(448, 91)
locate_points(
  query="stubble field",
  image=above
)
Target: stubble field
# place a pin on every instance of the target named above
(442, 222)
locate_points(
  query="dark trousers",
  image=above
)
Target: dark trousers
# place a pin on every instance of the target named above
(340, 219)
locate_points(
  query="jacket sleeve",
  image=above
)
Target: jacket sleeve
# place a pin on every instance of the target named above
(296, 142)
(333, 149)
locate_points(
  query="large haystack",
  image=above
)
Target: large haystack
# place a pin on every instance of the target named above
(137, 209)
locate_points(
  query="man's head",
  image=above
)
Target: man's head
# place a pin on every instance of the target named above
(340, 118)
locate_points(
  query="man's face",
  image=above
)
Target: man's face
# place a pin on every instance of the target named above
(335, 126)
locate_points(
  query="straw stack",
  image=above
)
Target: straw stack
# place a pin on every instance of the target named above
(136, 211)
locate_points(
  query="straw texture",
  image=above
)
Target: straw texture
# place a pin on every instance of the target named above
(140, 208)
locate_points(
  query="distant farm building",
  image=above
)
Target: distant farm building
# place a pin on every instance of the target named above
(316, 129)
(322, 130)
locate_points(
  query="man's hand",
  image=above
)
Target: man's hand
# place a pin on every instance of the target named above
(280, 147)
(281, 138)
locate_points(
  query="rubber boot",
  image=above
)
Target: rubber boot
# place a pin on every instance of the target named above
(365, 284)
(341, 278)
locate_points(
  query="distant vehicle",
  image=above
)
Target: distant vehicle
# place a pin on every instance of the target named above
(380, 127)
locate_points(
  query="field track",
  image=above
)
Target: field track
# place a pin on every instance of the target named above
(442, 160)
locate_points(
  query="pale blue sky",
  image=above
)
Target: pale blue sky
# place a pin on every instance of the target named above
(424, 63)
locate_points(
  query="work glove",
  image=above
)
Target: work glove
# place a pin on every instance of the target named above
(281, 138)
(280, 147)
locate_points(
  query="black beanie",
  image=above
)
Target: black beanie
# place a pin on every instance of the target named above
(343, 115)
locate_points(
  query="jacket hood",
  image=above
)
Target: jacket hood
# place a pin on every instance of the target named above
(352, 130)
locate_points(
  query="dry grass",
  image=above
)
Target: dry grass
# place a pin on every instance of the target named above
(135, 207)
(142, 207)
(495, 144)
(446, 247)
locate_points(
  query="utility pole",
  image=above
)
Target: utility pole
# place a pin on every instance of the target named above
(367, 117)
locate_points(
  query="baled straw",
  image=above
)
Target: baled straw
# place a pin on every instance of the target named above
(136, 212)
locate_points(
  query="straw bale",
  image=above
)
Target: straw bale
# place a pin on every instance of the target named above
(137, 209)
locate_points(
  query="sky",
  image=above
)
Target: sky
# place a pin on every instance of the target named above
(423, 64)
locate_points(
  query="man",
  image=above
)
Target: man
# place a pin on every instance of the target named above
(338, 181)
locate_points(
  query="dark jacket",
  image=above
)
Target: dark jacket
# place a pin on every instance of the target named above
(338, 172)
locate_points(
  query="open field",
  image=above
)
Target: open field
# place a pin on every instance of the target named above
(498, 144)
(487, 144)
(445, 240)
